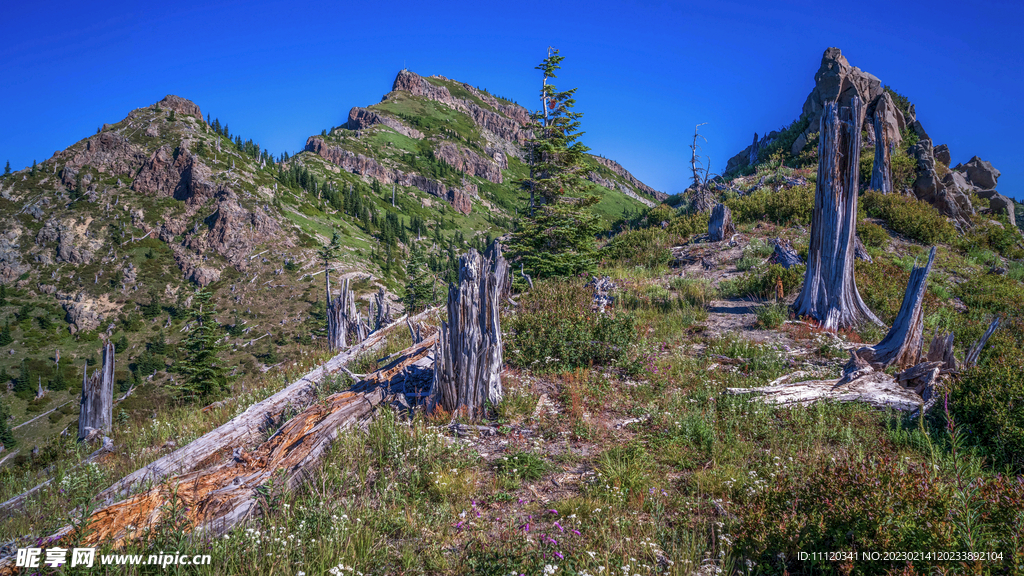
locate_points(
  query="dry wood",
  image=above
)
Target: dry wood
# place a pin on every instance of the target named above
(972, 354)
(720, 225)
(784, 254)
(97, 402)
(877, 388)
(467, 371)
(881, 173)
(902, 344)
(941, 350)
(249, 425)
(829, 294)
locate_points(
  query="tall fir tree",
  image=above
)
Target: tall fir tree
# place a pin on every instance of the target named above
(6, 435)
(557, 238)
(3, 295)
(203, 371)
(5, 334)
(7, 169)
(418, 289)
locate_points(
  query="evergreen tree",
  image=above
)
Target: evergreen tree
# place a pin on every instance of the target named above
(23, 383)
(152, 309)
(557, 239)
(418, 289)
(121, 344)
(159, 344)
(3, 295)
(5, 334)
(59, 382)
(7, 169)
(6, 436)
(33, 167)
(204, 375)
(270, 356)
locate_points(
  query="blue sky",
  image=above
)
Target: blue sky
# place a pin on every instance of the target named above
(646, 72)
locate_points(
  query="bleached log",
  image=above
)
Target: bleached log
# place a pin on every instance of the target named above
(468, 359)
(902, 344)
(720, 225)
(877, 389)
(97, 402)
(829, 294)
(972, 354)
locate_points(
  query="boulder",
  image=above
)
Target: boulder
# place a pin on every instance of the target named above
(1000, 204)
(204, 276)
(980, 173)
(959, 181)
(181, 106)
(941, 153)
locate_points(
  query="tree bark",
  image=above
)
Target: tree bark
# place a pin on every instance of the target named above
(972, 354)
(902, 344)
(881, 172)
(383, 310)
(720, 225)
(829, 294)
(785, 255)
(467, 370)
(342, 320)
(97, 396)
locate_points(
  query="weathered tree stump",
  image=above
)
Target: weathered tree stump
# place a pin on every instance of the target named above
(468, 359)
(97, 396)
(343, 320)
(383, 310)
(881, 173)
(785, 255)
(720, 225)
(829, 294)
(902, 344)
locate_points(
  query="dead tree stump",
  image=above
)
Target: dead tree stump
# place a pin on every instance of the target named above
(383, 310)
(720, 225)
(902, 344)
(97, 396)
(468, 358)
(784, 254)
(342, 320)
(881, 173)
(829, 294)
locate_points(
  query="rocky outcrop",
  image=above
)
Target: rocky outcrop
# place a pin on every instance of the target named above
(980, 173)
(639, 186)
(366, 166)
(204, 275)
(941, 153)
(508, 122)
(10, 261)
(81, 312)
(235, 230)
(107, 152)
(181, 106)
(361, 118)
(892, 120)
(837, 81)
(748, 156)
(613, 185)
(68, 249)
(999, 204)
(183, 177)
(468, 162)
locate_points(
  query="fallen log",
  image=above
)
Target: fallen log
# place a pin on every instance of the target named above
(877, 389)
(248, 426)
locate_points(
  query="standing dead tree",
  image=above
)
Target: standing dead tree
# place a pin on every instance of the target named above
(344, 326)
(702, 199)
(902, 345)
(383, 310)
(97, 397)
(829, 294)
(881, 172)
(468, 359)
(720, 225)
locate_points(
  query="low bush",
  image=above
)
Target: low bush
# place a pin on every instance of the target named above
(788, 206)
(695, 291)
(913, 218)
(762, 283)
(648, 247)
(554, 329)
(687, 225)
(988, 402)
(771, 315)
(872, 234)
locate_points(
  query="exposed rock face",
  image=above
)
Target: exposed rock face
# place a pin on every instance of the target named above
(204, 276)
(632, 180)
(10, 261)
(68, 249)
(235, 230)
(82, 313)
(361, 118)
(185, 177)
(837, 81)
(181, 106)
(508, 123)
(468, 162)
(107, 152)
(980, 173)
(999, 204)
(366, 166)
(749, 154)
(612, 185)
(892, 120)
(941, 153)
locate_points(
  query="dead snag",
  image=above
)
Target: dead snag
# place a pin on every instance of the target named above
(902, 344)
(720, 225)
(784, 254)
(468, 360)
(941, 350)
(383, 310)
(342, 320)
(97, 396)
(881, 173)
(972, 354)
(829, 294)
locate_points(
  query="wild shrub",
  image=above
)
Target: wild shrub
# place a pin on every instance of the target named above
(913, 218)
(747, 262)
(648, 247)
(771, 315)
(762, 283)
(872, 234)
(788, 206)
(695, 291)
(991, 293)
(1004, 239)
(555, 329)
(687, 225)
(988, 401)
(521, 465)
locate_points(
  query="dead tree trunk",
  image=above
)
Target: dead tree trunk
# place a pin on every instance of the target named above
(902, 344)
(972, 354)
(97, 396)
(342, 320)
(784, 254)
(468, 359)
(720, 226)
(881, 173)
(383, 310)
(829, 294)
